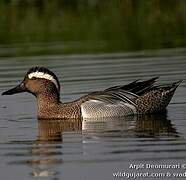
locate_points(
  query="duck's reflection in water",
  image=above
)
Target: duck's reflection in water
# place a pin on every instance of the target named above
(155, 125)
(48, 148)
(52, 129)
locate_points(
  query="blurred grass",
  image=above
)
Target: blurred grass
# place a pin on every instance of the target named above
(90, 26)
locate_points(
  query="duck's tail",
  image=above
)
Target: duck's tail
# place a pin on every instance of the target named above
(173, 86)
(157, 99)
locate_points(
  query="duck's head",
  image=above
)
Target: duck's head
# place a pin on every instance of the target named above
(38, 80)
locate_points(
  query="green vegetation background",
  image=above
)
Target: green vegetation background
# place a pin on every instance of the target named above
(91, 26)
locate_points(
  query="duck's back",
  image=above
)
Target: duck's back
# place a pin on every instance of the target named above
(134, 98)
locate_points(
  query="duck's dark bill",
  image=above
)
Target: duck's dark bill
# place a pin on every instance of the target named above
(15, 90)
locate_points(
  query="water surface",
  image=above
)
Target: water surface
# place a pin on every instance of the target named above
(61, 150)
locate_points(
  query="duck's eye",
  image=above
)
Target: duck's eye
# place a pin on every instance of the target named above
(34, 78)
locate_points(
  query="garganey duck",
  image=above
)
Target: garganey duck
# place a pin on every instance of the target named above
(137, 97)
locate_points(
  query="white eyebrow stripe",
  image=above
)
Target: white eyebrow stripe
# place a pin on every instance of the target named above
(44, 76)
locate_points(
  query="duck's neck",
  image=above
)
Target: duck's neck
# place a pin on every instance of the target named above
(47, 103)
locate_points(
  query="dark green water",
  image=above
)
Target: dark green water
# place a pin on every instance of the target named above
(87, 26)
(56, 150)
